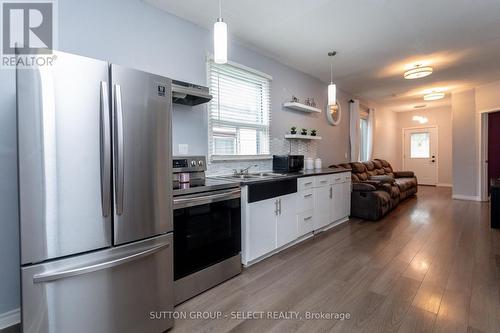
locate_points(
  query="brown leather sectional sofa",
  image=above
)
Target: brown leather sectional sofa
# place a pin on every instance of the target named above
(377, 188)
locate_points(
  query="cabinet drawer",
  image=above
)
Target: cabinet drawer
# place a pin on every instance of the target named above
(336, 178)
(305, 200)
(346, 176)
(305, 222)
(305, 183)
(321, 180)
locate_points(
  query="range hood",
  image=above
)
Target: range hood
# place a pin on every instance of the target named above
(189, 94)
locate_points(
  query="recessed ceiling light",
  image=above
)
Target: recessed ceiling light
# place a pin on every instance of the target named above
(418, 72)
(433, 96)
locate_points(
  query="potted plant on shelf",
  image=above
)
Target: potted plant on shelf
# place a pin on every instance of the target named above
(293, 130)
(304, 131)
(313, 132)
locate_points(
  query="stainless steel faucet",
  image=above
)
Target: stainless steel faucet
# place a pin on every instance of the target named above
(245, 170)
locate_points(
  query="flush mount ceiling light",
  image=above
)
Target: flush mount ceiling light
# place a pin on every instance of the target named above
(332, 88)
(418, 72)
(433, 96)
(419, 106)
(220, 38)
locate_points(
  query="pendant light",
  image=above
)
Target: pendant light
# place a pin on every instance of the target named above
(220, 39)
(332, 88)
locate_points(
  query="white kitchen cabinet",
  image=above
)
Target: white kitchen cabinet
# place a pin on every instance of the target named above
(346, 195)
(286, 223)
(337, 202)
(305, 200)
(305, 222)
(322, 209)
(261, 228)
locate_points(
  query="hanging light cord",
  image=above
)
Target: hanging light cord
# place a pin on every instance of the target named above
(220, 8)
(331, 72)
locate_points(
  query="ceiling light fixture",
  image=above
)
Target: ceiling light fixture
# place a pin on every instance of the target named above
(332, 88)
(418, 72)
(434, 96)
(419, 106)
(420, 119)
(220, 38)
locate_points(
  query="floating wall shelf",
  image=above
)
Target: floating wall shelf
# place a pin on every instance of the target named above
(302, 137)
(301, 107)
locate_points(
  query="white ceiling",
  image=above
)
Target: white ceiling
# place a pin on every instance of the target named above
(375, 39)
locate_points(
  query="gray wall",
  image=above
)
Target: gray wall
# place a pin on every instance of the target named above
(465, 173)
(131, 33)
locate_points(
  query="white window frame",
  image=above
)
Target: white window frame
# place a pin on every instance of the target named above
(215, 158)
(363, 117)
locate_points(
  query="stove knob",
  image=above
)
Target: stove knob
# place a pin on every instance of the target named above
(200, 163)
(193, 163)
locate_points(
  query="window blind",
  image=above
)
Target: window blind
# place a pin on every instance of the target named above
(240, 112)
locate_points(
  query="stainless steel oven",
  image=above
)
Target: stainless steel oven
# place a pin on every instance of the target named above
(207, 238)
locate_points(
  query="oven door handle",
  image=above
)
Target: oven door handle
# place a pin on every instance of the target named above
(206, 199)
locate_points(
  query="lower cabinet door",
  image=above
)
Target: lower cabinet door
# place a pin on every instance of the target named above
(338, 202)
(262, 227)
(287, 219)
(346, 190)
(322, 204)
(305, 222)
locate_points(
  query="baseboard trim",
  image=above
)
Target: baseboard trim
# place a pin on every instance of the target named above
(444, 185)
(10, 318)
(466, 197)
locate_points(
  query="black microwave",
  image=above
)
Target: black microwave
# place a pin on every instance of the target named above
(288, 163)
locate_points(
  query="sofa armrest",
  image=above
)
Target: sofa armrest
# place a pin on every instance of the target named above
(363, 187)
(404, 174)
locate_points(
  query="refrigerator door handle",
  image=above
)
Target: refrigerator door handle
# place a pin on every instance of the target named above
(105, 151)
(119, 180)
(66, 273)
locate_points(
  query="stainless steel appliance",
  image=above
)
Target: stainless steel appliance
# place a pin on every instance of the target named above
(288, 163)
(94, 143)
(207, 224)
(189, 94)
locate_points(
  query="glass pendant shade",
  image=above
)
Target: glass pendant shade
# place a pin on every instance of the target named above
(332, 94)
(220, 42)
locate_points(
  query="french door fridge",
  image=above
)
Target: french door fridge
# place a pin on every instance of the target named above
(94, 144)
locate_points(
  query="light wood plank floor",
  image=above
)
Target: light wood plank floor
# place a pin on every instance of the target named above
(432, 265)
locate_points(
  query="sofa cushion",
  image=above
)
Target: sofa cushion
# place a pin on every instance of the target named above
(358, 167)
(383, 178)
(405, 184)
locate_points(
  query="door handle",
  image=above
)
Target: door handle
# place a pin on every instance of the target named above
(105, 140)
(119, 160)
(62, 274)
(331, 192)
(279, 203)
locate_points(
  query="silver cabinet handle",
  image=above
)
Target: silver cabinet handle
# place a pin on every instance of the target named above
(119, 160)
(337, 179)
(323, 181)
(331, 192)
(62, 274)
(307, 218)
(105, 140)
(308, 195)
(276, 207)
(280, 205)
(205, 199)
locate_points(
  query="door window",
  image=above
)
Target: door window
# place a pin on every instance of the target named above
(420, 144)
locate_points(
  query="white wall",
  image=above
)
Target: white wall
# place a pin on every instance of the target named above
(488, 97)
(131, 33)
(385, 137)
(465, 171)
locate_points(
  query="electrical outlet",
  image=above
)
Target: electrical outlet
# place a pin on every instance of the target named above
(183, 148)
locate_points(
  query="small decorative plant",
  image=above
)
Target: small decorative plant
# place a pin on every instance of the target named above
(293, 130)
(313, 132)
(304, 131)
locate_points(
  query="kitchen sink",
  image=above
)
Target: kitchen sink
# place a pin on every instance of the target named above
(251, 176)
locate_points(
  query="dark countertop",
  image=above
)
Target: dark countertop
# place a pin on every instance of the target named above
(300, 174)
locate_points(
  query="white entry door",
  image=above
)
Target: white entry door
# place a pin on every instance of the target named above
(420, 153)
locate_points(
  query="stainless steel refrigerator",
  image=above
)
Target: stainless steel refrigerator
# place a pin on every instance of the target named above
(94, 143)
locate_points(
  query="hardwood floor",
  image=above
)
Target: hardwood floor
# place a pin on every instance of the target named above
(432, 265)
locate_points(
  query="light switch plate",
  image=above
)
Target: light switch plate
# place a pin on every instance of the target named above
(183, 148)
